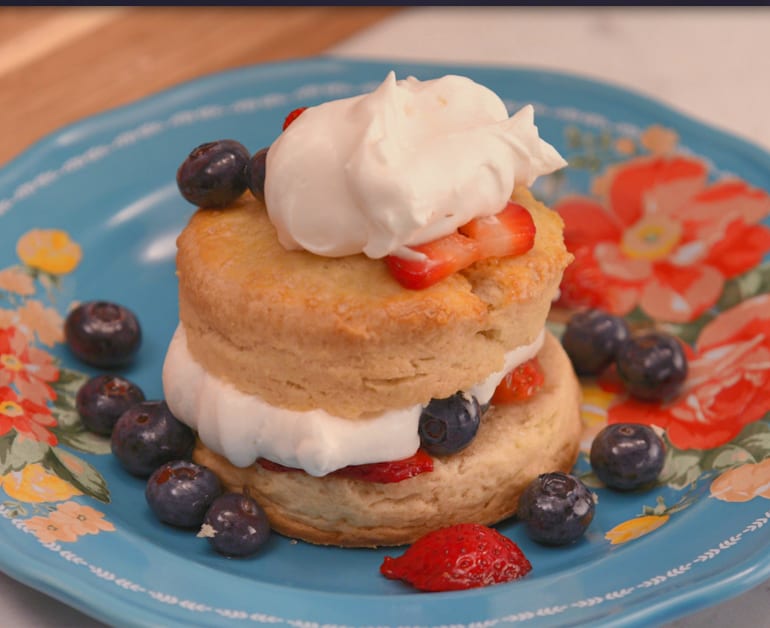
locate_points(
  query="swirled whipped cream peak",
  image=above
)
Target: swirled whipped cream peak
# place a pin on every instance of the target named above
(402, 165)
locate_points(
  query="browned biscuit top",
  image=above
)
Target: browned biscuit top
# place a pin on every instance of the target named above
(304, 331)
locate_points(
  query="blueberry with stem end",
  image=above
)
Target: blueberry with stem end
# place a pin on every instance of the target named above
(213, 174)
(102, 333)
(652, 366)
(556, 508)
(180, 492)
(148, 435)
(103, 398)
(591, 340)
(627, 456)
(235, 525)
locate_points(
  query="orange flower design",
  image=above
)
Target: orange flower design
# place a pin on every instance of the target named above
(48, 530)
(743, 483)
(81, 519)
(635, 528)
(727, 387)
(28, 368)
(15, 280)
(49, 250)
(35, 484)
(28, 418)
(660, 238)
(45, 322)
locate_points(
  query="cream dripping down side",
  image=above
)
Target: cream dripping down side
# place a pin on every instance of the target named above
(243, 427)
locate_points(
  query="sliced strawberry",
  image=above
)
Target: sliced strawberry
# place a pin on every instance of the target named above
(292, 117)
(443, 257)
(520, 384)
(462, 556)
(377, 472)
(509, 232)
(389, 472)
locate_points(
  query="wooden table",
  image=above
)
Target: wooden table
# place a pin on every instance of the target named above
(58, 65)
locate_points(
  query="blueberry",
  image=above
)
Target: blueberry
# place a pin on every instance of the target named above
(148, 435)
(627, 456)
(103, 398)
(449, 425)
(556, 508)
(180, 492)
(591, 340)
(235, 525)
(652, 366)
(103, 334)
(213, 174)
(255, 173)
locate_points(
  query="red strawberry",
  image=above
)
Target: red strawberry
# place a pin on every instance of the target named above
(378, 472)
(462, 556)
(444, 256)
(292, 117)
(389, 472)
(510, 232)
(521, 383)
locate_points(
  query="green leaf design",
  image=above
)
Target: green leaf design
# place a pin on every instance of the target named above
(755, 438)
(726, 457)
(14, 510)
(85, 441)
(77, 472)
(752, 283)
(16, 452)
(67, 417)
(69, 382)
(6, 442)
(682, 467)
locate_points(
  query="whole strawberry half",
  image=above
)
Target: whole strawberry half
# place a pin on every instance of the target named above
(462, 556)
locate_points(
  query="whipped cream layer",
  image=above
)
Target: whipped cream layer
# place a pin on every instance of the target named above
(243, 427)
(405, 164)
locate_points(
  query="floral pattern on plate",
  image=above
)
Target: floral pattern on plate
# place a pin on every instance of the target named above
(39, 424)
(661, 243)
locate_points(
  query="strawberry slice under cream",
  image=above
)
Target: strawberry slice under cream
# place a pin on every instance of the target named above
(244, 428)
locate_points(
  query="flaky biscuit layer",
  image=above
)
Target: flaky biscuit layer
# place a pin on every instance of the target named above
(515, 443)
(340, 334)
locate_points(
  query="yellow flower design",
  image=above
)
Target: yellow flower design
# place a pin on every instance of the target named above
(625, 146)
(659, 140)
(34, 484)
(593, 411)
(81, 519)
(635, 528)
(49, 250)
(743, 483)
(15, 280)
(50, 531)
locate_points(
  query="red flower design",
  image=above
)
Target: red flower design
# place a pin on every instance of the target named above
(26, 417)
(661, 238)
(727, 387)
(28, 368)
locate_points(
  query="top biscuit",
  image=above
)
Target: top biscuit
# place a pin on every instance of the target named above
(340, 334)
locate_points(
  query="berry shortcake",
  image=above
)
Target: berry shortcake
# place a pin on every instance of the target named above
(362, 344)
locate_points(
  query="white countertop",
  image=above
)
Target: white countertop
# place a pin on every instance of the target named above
(711, 64)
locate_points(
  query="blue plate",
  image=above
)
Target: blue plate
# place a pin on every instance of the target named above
(108, 185)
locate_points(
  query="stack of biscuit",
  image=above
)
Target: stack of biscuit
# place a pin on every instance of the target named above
(305, 332)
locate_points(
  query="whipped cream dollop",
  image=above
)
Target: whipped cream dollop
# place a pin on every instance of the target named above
(243, 427)
(405, 164)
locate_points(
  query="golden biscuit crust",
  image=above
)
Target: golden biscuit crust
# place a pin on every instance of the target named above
(482, 483)
(340, 334)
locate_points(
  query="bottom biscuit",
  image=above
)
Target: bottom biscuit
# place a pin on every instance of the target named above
(481, 484)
